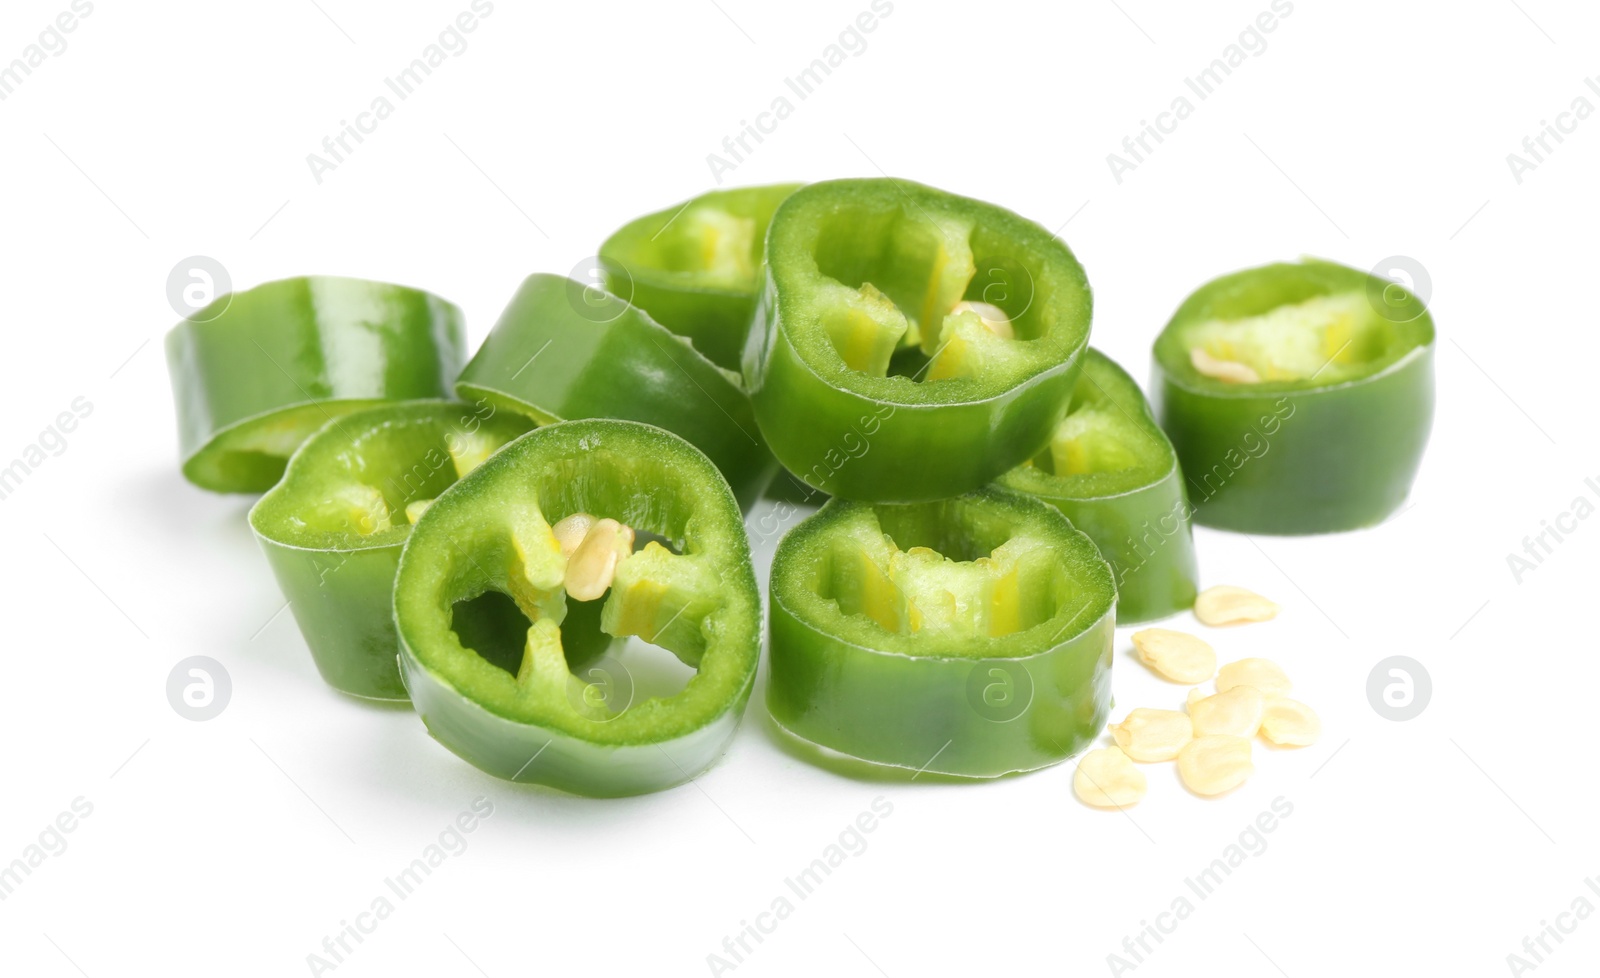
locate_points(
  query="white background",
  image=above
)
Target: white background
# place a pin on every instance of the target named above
(1365, 129)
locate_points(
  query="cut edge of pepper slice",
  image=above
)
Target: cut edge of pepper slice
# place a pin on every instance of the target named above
(888, 649)
(317, 347)
(1111, 470)
(696, 598)
(333, 527)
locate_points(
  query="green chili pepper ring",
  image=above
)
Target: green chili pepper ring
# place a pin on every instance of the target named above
(696, 266)
(530, 720)
(1330, 433)
(858, 330)
(332, 529)
(1112, 472)
(970, 636)
(561, 353)
(256, 372)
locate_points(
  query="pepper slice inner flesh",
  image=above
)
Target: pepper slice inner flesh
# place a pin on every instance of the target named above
(1291, 327)
(1100, 445)
(1094, 438)
(893, 289)
(712, 242)
(716, 246)
(695, 267)
(1328, 338)
(957, 577)
(944, 600)
(663, 597)
(379, 466)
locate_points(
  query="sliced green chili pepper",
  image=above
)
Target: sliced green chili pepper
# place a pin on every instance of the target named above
(562, 352)
(1298, 396)
(256, 372)
(1111, 470)
(519, 713)
(333, 528)
(874, 376)
(696, 267)
(969, 636)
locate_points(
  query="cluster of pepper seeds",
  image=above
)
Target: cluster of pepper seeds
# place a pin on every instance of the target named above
(1212, 741)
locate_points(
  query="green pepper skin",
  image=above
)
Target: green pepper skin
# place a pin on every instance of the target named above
(651, 262)
(553, 361)
(477, 537)
(1138, 517)
(995, 706)
(891, 438)
(256, 372)
(341, 601)
(337, 580)
(1296, 457)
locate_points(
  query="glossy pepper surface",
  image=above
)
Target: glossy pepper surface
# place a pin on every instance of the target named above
(256, 372)
(873, 374)
(509, 702)
(695, 267)
(1299, 397)
(1112, 472)
(562, 352)
(969, 636)
(332, 529)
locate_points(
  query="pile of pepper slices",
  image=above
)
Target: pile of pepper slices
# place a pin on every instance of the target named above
(995, 496)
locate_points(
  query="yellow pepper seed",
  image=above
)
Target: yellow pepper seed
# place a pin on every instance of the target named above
(1179, 656)
(1290, 723)
(594, 563)
(1107, 778)
(1235, 712)
(1263, 674)
(994, 318)
(1227, 371)
(570, 532)
(414, 510)
(1215, 764)
(1229, 605)
(1152, 735)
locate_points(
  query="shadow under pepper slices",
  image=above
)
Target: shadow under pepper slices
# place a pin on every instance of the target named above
(911, 344)
(1299, 397)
